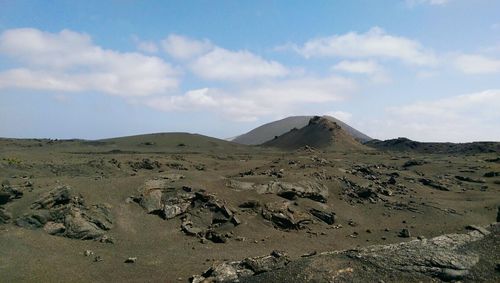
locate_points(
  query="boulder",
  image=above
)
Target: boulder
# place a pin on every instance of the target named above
(58, 197)
(236, 270)
(327, 217)
(283, 216)
(203, 215)
(413, 162)
(303, 189)
(5, 216)
(8, 193)
(63, 213)
(433, 184)
(469, 179)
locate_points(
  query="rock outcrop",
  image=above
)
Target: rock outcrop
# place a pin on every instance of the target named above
(303, 189)
(64, 213)
(203, 215)
(470, 257)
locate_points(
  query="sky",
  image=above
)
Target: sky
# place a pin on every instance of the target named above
(428, 70)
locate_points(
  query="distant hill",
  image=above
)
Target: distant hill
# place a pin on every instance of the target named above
(404, 144)
(171, 141)
(319, 133)
(268, 131)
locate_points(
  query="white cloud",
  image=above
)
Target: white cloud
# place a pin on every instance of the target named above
(223, 64)
(461, 118)
(375, 43)
(412, 3)
(477, 64)
(69, 61)
(250, 102)
(147, 46)
(182, 47)
(341, 115)
(212, 62)
(357, 67)
(376, 73)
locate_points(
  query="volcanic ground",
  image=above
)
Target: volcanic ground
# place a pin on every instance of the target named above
(180, 207)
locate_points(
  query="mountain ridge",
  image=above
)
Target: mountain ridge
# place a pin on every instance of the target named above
(270, 130)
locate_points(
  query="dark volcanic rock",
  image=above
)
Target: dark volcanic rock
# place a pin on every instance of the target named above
(283, 216)
(433, 184)
(327, 217)
(470, 257)
(58, 197)
(468, 179)
(203, 215)
(413, 162)
(303, 189)
(8, 193)
(491, 174)
(232, 271)
(146, 163)
(5, 216)
(404, 233)
(63, 213)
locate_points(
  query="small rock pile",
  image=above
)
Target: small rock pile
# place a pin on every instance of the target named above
(202, 214)
(232, 271)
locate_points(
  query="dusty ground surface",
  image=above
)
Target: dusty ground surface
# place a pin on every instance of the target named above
(363, 198)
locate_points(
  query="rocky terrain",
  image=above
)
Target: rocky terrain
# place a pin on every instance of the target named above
(179, 207)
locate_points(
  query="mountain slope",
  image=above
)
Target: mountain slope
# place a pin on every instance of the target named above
(404, 144)
(268, 131)
(319, 133)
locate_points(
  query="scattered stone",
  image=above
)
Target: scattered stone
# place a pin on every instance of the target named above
(251, 204)
(413, 162)
(481, 230)
(469, 179)
(88, 253)
(433, 184)
(391, 181)
(131, 260)
(491, 174)
(5, 216)
(98, 258)
(404, 233)
(8, 193)
(146, 163)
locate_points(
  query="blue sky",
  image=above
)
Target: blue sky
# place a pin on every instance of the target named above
(425, 69)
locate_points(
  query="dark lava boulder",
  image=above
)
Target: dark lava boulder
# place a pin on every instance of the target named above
(203, 214)
(5, 216)
(327, 217)
(284, 216)
(61, 212)
(8, 193)
(233, 271)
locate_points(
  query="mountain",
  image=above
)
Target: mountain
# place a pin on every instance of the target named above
(320, 133)
(268, 131)
(404, 144)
